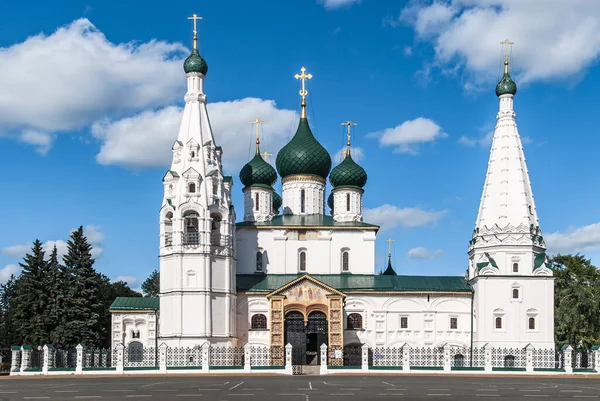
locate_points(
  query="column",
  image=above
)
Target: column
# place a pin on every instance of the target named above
(406, 357)
(487, 349)
(25, 355)
(336, 329)
(162, 357)
(529, 358)
(596, 349)
(79, 366)
(46, 363)
(120, 350)
(205, 356)
(247, 357)
(16, 354)
(447, 358)
(276, 327)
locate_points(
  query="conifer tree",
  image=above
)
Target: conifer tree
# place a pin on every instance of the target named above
(53, 282)
(30, 298)
(151, 287)
(7, 333)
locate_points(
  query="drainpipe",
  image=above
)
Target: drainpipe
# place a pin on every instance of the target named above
(471, 358)
(155, 337)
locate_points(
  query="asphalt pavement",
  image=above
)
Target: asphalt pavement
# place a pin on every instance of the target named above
(298, 388)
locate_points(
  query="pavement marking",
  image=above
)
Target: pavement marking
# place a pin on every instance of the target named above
(207, 389)
(341, 394)
(536, 395)
(571, 391)
(310, 385)
(388, 384)
(529, 390)
(35, 398)
(153, 384)
(237, 385)
(8, 392)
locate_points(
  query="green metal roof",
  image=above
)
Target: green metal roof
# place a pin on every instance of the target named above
(348, 174)
(306, 220)
(134, 303)
(258, 171)
(195, 63)
(358, 282)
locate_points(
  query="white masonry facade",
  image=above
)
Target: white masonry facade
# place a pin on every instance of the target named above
(306, 277)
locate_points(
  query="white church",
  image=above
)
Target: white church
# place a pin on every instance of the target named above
(294, 272)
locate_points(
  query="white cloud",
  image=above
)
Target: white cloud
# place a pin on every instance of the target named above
(8, 271)
(484, 141)
(125, 142)
(389, 216)
(335, 4)
(575, 239)
(357, 153)
(409, 135)
(130, 280)
(16, 250)
(67, 80)
(553, 38)
(423, 253)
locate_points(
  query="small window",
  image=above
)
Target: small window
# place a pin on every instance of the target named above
(531, 323)
(345, 261)
(454, 323)
(191, 187)
(498, 322)
(215, 187)
(515, 267)
(135, 334)
(256, 202)
(302, 261)
(404, 322)
(354, 321)
(302, 200)
(259, 261)
(259, 322)
(347, 202)
(515, 293)
(193, 154)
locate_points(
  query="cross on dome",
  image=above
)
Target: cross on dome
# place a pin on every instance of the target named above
(303, 76)
(195, 18)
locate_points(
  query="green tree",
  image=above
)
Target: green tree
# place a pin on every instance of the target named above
(30, 299)
(576, 301)
(7, 332)
(54, 281)
(151, 287)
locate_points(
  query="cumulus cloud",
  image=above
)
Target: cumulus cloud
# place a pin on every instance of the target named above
(423, 253)
(8, 271)
(357, 153)
(484, 141)
(335, 4)
(125, 142)
(130, 280)
(560, 41)
(407, 137)
(389, 216)
(83, 77)
(575, 239)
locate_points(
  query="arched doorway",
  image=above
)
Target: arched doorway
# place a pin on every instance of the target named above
(316, 335)
(295, 334)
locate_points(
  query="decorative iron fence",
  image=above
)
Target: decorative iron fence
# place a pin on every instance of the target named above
(226, 356)
(137, 356)
(262, 355)
(63, 358)
(97, 358)
(583, 359)
(546, 358)
(508, 357)
(36, 359)
(184, 357)
(383, 356)
(427, 357)
(5, 360)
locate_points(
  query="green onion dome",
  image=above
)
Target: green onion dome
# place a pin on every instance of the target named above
(303, 155)
(258, 172)
(195, 63)
(348, 174)
(506, 86)
(276, 201)
(330, 201)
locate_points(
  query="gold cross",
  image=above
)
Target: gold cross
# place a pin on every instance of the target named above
(389, 241)
(257, 122)
(265, 155)
(349, 124)
(506, 43)
(195, 18)
(303, 92)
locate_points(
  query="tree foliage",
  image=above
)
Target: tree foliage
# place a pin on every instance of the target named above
(151, 287)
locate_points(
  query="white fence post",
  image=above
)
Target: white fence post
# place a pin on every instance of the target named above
(205, 357)
(25, 355)
(365, 357)
(46, 360)
(529, 358)
(406, 357)
(289, 369)
(162, 357)
(568, 358)
(120, 351)
(79, 366)
(487, 349)
(16, 352)
(247, 357)
(596, 349)
(323, 359)
(447, 360)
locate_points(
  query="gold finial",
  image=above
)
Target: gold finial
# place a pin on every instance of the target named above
(389, 241)
(349, 124)
(265, 155)
(195, 18)
(303, 92)
(257, 122)
(506, 43)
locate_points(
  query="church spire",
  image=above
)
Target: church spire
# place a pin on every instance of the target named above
(390, 270)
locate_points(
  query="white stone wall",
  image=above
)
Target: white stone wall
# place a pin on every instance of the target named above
(264, 211)
(344, 210)
(314, 195)
(125, 324)
(323, 248)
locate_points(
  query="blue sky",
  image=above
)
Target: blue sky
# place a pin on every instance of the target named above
(92, 91)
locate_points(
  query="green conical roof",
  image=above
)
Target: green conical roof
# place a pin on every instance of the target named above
(348, 174)
(195, 63)
(303, 155)
(258, 171)
(276, 201)
(330, 201)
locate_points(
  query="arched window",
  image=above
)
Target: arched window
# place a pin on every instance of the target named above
(259, 322)
(347, 202)
(515, 293)
(192, 154)
(191, 235)
(134, 352)
(498, 322)
(302, 200)
(259, 261)
(169, 229)
(531, 323)
(215, 230)
(345, 261)
(302, 261)
(354, 321)
(509, 361)
(256, 202)
(515, 267)
(459, 360)
(215, 186)
(191, 187)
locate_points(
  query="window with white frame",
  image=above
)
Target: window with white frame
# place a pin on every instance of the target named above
(453, 323)
(532, 320)
(498, 320)
(404, 322)
(259, 261)
(345, 261)
(302, 260)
